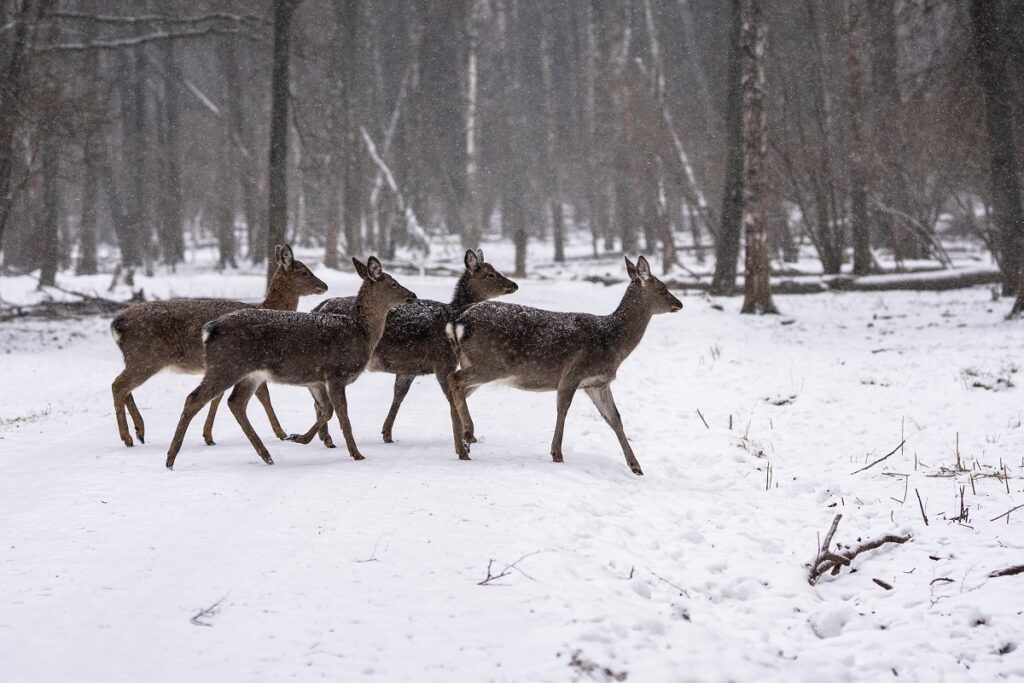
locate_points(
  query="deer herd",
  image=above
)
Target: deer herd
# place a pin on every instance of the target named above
(464, 344)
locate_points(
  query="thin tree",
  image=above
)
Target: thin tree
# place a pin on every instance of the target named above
(856, 160)
(277, 205)
(13, 81)
(991, 53)
(757, 283)
(727, 244)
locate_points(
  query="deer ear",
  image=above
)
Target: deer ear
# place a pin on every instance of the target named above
(630, 269)
(360, 267)
(643, 268)
(373, 268)
(472, 261)
(480, 255)
(285, 258)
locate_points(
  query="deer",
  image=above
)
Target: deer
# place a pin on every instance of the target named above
(155, 335)
(414, 341)
(323, 352)
(538, 350)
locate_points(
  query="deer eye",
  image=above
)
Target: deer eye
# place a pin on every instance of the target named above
(394, 285)
(491, 275)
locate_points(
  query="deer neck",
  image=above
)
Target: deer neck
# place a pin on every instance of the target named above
(372, 316)
(629, 321)
(280, 297)
(462, 298)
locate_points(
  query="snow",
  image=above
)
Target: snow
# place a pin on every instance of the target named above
(325, 567)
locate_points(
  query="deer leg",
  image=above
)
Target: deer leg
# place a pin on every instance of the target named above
(210, 417)
(130, 378)
(321, 403)
(263, 396)
(237, 401)
(602, 398)
(402, 384)
(324, 411)
(336, 392)
(566, 390)
(208, 388)
(460, 385)
(133, 410)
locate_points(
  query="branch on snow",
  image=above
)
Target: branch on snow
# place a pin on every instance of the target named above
(827, 560)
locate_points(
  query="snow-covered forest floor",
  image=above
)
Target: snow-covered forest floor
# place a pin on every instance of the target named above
(113, 568)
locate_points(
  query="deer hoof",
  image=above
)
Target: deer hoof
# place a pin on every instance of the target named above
(142, 438)
(387, 438)
(636, 470)
(268, 460)
(556, 457)
(358, 456)
(128, 442)
(210, 442)
(329, 444)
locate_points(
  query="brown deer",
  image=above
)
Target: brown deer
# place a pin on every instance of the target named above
(168, 334)
(539, 350)
(414, 341)
(323, 352)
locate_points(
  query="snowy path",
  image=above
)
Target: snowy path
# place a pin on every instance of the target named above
(336, 569)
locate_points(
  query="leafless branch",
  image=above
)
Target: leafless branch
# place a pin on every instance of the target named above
(866, 467)
(506, 571)
(827, 561)
(1009, 571)
(207, 612)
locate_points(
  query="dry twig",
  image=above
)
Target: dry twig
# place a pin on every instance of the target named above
(880, 459)
(506, 571)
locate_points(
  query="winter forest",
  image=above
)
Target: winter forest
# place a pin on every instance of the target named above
(274, 199)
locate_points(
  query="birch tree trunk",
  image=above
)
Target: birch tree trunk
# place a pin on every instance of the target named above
(757, 282)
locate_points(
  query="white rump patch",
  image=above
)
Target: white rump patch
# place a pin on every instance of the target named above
(115, 334)
(206, 334)
(460, 331)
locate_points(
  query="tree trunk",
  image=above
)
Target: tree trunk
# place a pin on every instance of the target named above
(757, 279)
(277, 204)
(474, 221)
(13, 80)
(87, 222)
(727, 244)
(49, 236)
(352, 210)
(990, 51)
(133, 115)
(551, 160)
(173, 241)
(860, 229)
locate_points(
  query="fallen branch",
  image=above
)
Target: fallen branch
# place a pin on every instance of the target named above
(1009, 571)
(827, 561)
(1007, 513)
(866, 467)
(197, 619)
(506, 571)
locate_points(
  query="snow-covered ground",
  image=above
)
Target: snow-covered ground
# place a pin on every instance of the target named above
(323, 567)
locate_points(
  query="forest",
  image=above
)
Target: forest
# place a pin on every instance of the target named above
(879, 133)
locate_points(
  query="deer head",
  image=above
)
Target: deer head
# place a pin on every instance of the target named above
(294, 275)
(379, 290)
(653, 293)
(482, 281)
